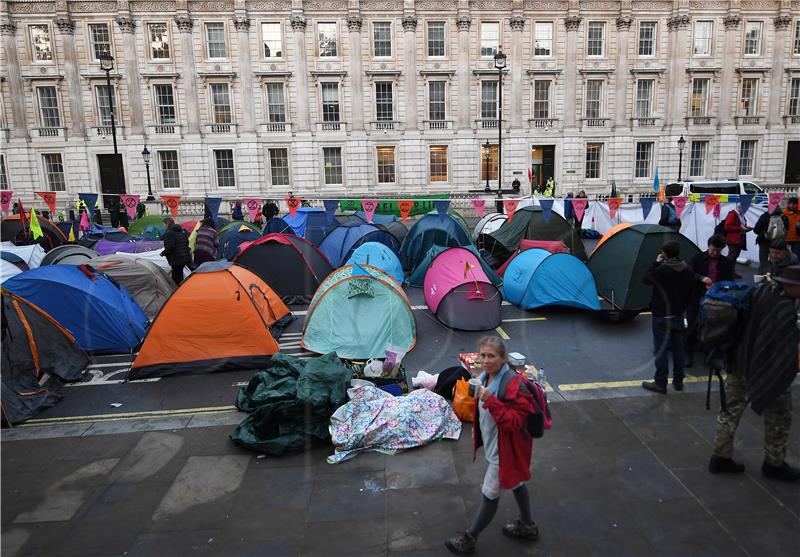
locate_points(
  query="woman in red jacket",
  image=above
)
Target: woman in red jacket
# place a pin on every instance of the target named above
(500, 429)
(735, 231)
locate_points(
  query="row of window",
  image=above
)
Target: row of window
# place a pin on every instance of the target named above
(327, 39)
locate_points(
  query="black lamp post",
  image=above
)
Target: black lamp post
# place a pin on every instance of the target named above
(681, 145)
(107, 64)
(146, 158)
(486, 147)
(500, 64)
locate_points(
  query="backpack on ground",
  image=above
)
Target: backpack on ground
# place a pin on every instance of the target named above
(776, 229)
(540, 419)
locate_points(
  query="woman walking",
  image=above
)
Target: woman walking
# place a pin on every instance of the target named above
(503, 404)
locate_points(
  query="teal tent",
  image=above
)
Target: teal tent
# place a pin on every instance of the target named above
(417, 278)
(380, 256)
(432, 230)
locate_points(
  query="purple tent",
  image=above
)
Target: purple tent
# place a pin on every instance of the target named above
(107, 247)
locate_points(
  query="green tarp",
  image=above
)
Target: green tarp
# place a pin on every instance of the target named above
(422, 204)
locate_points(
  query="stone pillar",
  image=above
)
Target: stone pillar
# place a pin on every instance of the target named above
(729, 58)
(779, 57)
(410, 69)
(66, 27)
(301, 82)
(8, 30)
(571, 69)
(354, 24)
(621, 72)
(189, 73)
(128, 27)
(242, 26)
(679, 25)
(517, 25)
(463, 23)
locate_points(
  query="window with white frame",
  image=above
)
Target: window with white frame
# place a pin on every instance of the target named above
(223, 164)
(330, 102)
(382, 39)
(106, 104)
(276, 103)
(595, 38)
(326, 40)
(794, 97)
(594, 160)
(489, 100)
(279, 166)
(41, 43)
(747, 157)
(100, 38)
(702, 38)
(158, 33)
(272, 40)
(594, 98)
(220, 103)
(644, 98)
(541, 98)
(748, 102)
(697, 158)
(3, 175)
(49, 114)
(543, 39)
(54, 171)
(490, 38)
(752, 38)
(438, 163)
(647, 38)
(386, 165)
(384, 106)
(437, 101)
(170, 173)
(490, 166)
(698, 102)
(644, 159)
(796, 49)
(436, 39)
(332, 163)
(215, 40)
(165, 103)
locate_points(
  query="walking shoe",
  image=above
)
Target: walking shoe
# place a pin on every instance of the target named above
(655, 387)
(677, 385)
(783, 472)
(720, 465)
(461, 544)
(522, 530)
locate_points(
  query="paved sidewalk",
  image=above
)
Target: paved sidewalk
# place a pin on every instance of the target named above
(616, 477)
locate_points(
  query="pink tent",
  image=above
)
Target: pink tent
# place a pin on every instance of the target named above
(460, 294)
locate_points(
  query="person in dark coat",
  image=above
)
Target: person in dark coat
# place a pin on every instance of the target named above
(269, 210)
(176, 249)
(673, 287)
(762, 370)
(763, 241)
(669, 216)
(206, 242)
(781, 257)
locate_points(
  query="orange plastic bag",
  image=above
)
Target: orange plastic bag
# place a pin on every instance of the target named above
(463, 404)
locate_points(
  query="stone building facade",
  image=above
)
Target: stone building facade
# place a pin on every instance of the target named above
(390, 97)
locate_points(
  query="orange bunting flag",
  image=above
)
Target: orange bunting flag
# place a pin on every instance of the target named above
(510, 205)
(711, 202)
(613, 205)
(405, 206)
(294, 204)
(172, 202)
(49, 198)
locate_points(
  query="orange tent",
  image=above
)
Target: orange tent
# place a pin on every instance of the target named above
(611, 231)
(222, 318)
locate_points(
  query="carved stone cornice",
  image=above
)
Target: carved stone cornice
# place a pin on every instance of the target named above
(8, 28)
(65, 25)
(572, 22)
(624, 23)
(517, 22)
(678, 22)
(354, 23)
(126, 24)
(241, 23)
(464, 22)
(731, 21)
(184, 23)
(298, 22)
(409, 23)
(782, 22)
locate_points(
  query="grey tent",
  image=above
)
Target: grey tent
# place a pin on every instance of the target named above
(489, 223)
(148, 283)
(68, 254)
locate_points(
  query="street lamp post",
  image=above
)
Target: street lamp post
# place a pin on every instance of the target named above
(146, 158)
(486, 147)
(681, 145)
(107, 64)
(500, 64)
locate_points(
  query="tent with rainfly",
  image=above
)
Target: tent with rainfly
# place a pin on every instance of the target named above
(359, 312)
(148, 283)
(417, 278)
(68, 254)
(378, 255)
(310, 223)
(340, 242)
(459, 293)
(223, 317)
(431, 230)
(13, 230)
(489, 223)
(232, 237)
(537, 278)
(11, 265)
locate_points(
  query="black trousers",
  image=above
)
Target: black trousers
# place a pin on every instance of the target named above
(177, 274)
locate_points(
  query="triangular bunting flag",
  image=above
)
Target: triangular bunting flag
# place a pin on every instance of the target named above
(23, 218)
(745, 200)
(49, 198)
(71, 238)
(36, 228)
(369, 206)
(613, 205)
(172, 202)
(547, 208)
(330, 209)
(717, 208)
(680, 204)
(480, 207)
(84, 221)
(579, 205)
(647, 206)
(568, 211)
(294, 204)
(711, 202)
(5, 200)
(774, 200)
(510, 206)
(405, 206)
(90, 199)
(130, 202)
(442, 206)
(212, 206)
(252, 205)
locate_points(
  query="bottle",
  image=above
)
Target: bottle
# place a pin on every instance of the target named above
(542, 378)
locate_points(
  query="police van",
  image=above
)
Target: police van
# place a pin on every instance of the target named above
(716, 187)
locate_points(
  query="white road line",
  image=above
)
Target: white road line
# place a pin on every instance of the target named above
(116, 364)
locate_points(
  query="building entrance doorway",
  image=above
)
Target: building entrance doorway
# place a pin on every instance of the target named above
(792, 174)
(543, 166)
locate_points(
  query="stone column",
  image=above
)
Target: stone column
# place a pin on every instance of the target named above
(128, 27)
(571, 69)
(621, 72)
(463, 23)
(410, 69)
(301, 82)
(66, 27)
(242, 26)
(189, 73)
(517, 22)
(8, 30)
(676, 92)
(779, 57)
(729, 58)
(354, 23)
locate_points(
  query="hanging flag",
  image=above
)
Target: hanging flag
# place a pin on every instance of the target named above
(662, 194)
(294, 204)
(745, 200)
(510, 206)
(23, 218)
(656, 184)
(36, 228)
(442, 206)
(613, 205)
(130, 202)
(530, 176)
(480, 206)
(579, 204)
(49, 198)
(680, 204)
(405, 206)
(568, 211)
(330, 209)
(547, 208)
(774, 200)
(252, 205)
(212, 206)
(172, 202)
(647, 206)
(717, 208)
(369, 206)
(84, 221)
(5, 200)
(711, 202)
(71, 238)
(90, 199)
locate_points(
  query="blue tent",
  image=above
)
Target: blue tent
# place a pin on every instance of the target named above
(340, 242)
(231, 239)
(536, 278)
(380, 256)
(101, 315)
(276, 225)
(376, 218)
(431, 230)
(310, 223)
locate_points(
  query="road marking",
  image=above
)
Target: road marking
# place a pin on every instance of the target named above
(119, 365)
(617, 384)
(525, 319)
(128, 415)
(502, 333)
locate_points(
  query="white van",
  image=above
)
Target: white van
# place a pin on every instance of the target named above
(722, 187)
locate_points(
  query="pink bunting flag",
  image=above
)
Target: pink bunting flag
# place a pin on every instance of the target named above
(680, 204)
(613, 205)
(480, 206)
(130, 202)
(774, 200)
(5, 200)
(294, 204)
(579, 205)
(711, 202)
(510, 206)
(172, 202)
(717, 208)
(369, 206)
(405, 206)
(84, 225)
(49, 198)
(252, 205)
